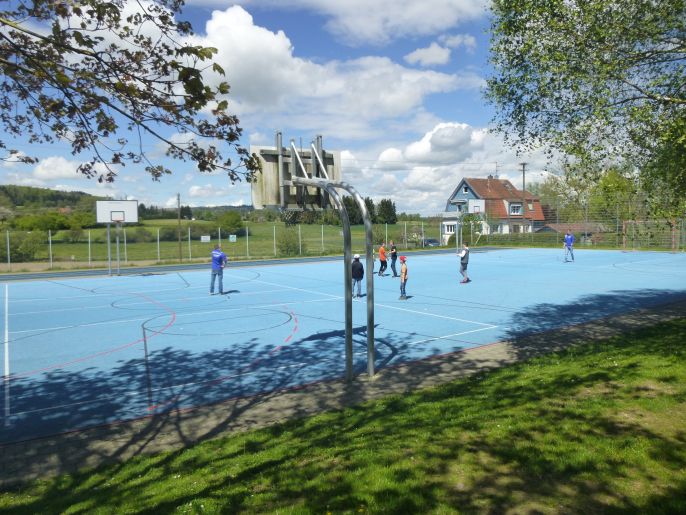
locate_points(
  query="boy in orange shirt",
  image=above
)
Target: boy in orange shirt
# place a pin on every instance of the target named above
(382, 259)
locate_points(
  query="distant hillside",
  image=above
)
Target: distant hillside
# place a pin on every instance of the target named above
(23, 198)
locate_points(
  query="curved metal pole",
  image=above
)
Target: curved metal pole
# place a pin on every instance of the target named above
(347, 263)
(370, 276)
(368, 230)
(348, 281)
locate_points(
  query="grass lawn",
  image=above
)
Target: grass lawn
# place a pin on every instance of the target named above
(599, 428)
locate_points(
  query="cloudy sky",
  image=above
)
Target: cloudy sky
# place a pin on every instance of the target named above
(396, 86)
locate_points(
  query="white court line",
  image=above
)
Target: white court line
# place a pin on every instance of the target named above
(447, 336)
(315, 292)
(435, 315)
(125, 305)
(178, 316)
(7, 357)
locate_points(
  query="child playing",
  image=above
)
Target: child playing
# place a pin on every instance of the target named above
(403, 277)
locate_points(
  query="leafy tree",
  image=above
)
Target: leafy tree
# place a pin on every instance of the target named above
(89, 71)
(386, 212)
(664, 177)
(354, 214)
(371, 209)
(230, 222)
(186, 213)
(590, 78)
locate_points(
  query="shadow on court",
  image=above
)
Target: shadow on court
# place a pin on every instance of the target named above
(181, 397)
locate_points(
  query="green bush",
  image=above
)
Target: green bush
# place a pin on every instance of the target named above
(288, 243)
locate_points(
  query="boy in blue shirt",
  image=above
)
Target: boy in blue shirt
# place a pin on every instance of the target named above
(569, 245)
(218, 263)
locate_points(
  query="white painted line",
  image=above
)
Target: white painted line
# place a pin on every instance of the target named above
(447, 336)
(436, 316)
(7, 357)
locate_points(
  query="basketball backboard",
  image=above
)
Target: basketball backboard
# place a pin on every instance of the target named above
(116, 211)
(273, 187)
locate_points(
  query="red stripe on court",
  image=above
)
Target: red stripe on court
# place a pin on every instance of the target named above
(105, 352)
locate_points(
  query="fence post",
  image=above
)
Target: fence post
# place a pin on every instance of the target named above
(423, 235)
(405, 235)
(126, 253)
(50, 247)
(158, 244)
(247, 240)
(300, 241)
(9, 261)
(219, 235)
(89, 249)
(274, 239)
(190, 252)
(386, 226)
(322, 238)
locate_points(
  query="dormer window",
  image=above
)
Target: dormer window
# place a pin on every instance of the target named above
(515, 209)
(465, 189)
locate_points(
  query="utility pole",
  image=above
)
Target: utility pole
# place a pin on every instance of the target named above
(178, 217)
(523, 165)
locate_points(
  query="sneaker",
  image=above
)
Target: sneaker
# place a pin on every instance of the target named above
(463, 281)
(468, 281)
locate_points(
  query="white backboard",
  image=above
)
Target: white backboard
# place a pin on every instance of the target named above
(116, 211)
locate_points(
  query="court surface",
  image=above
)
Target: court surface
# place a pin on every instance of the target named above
(81, 352)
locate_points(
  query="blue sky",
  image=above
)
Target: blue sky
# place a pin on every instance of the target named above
(395, 86)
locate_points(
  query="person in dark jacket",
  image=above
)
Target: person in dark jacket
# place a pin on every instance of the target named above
(464, 261)
(394, 258)
(358, 275)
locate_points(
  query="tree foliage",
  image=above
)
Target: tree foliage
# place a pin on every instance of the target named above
(593, 78)
(385, 212)
(230, 222)
(105, 76)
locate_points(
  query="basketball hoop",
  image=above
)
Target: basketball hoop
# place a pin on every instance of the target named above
(290, 216)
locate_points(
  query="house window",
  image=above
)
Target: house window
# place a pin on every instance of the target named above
(450, 229)
(465, 190)
(515, 209)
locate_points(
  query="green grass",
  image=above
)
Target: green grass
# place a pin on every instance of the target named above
(598, 428)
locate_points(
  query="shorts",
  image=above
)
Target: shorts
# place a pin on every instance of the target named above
(463, 267)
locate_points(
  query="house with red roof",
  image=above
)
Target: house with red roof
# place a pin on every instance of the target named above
(501, 207)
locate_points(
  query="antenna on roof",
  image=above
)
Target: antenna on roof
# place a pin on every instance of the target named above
(496, 169)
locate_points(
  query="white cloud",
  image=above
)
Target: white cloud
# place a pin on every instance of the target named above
(381, 21)
(271, 87)
(420, 176)
(429, 56)
(459, 40)
(206, 191)
(56, 167)
(446, 143)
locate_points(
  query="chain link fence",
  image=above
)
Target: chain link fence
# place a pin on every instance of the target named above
(128, 246)
(143, 245)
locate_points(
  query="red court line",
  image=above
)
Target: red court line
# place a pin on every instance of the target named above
(108, 351)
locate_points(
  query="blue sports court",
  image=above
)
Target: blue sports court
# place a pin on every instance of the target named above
(81, 352)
